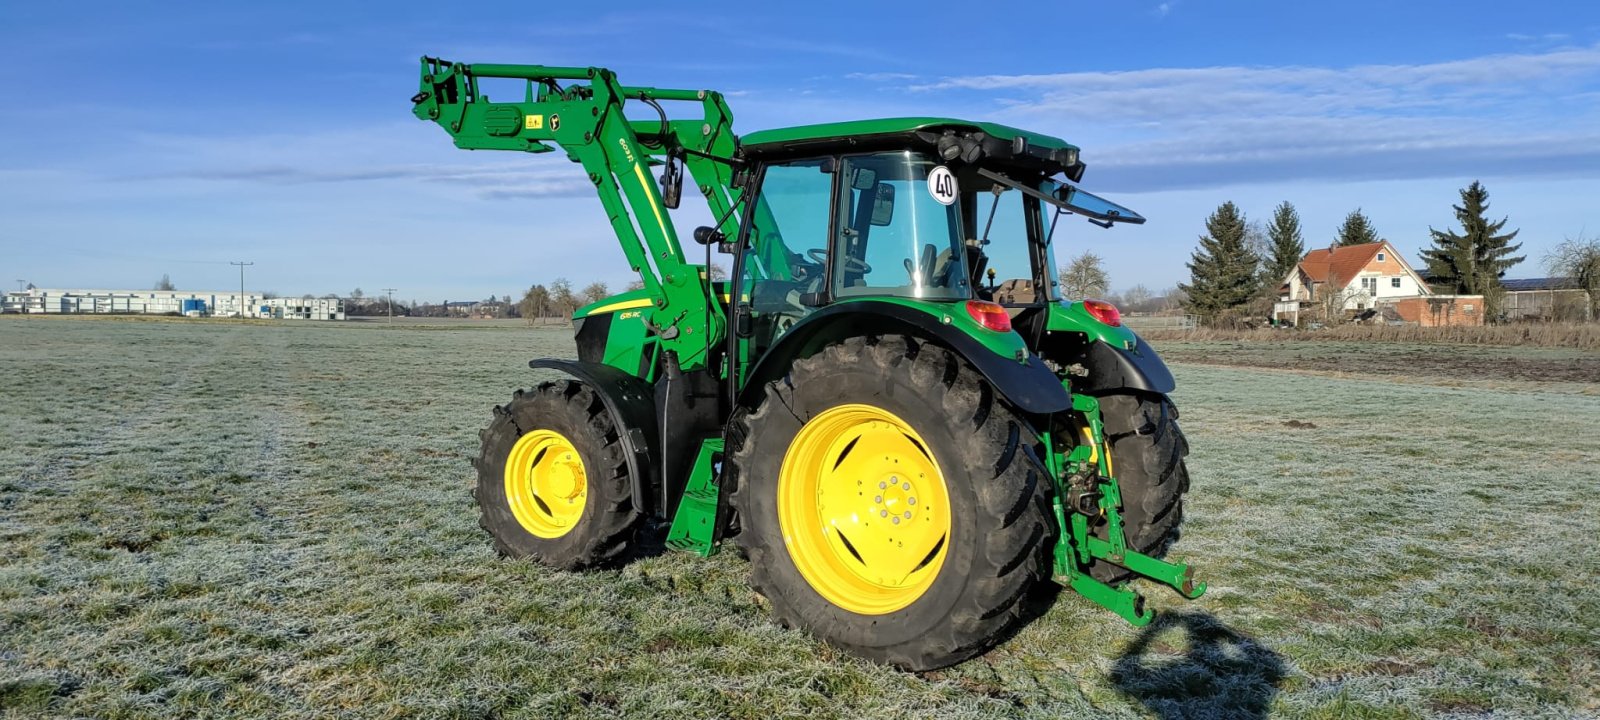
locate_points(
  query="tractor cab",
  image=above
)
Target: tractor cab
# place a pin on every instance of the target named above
(936, 211)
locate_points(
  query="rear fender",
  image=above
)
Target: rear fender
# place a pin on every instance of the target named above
(1114, 356)
(1025, 383)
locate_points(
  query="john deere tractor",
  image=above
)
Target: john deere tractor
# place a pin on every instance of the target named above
(887, 405)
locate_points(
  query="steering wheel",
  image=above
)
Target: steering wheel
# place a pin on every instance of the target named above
(850, 264)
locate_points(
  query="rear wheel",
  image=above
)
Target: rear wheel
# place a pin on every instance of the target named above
(891, 503)
(552, 480)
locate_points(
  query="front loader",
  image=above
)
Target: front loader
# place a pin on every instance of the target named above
(887, 405)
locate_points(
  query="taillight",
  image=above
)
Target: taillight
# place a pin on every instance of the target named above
(989, 315)
(1104, 312)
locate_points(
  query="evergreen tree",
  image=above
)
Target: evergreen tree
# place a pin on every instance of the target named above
(1473, 261)
(1356, 230)
(1222, 269)
(1285, 244)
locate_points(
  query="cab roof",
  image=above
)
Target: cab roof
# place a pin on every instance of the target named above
(779, 138)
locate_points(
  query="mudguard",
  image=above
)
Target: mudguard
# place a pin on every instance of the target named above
(1109, 367)
(1114, 368)
(631, 404)
(1028, 384)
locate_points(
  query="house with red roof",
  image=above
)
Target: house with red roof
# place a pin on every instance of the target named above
(1345, 282)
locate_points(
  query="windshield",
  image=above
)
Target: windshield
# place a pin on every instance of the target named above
(899, 229)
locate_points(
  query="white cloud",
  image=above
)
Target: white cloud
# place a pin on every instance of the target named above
(880, 76)
(1533, 113)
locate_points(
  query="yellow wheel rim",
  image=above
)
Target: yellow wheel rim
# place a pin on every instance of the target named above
(545, 483)
(864, 509)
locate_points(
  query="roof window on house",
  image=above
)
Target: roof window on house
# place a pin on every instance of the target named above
(1380, 257)
(1394, 282)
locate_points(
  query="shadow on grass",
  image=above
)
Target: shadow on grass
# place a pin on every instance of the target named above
(1222, 674)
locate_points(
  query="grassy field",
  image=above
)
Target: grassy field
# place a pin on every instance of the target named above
(271, 520)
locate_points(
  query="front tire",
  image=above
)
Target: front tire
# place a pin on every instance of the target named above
(891, 503)
(553, 483)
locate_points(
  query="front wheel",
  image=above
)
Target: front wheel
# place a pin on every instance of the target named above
(891, 503)
(553, 484)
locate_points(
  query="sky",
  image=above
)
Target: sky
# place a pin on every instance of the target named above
(142, 139)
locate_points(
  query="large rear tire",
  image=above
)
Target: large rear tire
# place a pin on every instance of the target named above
(553, 483)
(891, 503)
(1147, 452)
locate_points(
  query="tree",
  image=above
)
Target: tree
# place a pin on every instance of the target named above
(534, 303)
(356, 295)
(1356, 230)
(595, 292)
(1222, 270)
(1136, 298)
(165, 283)
(1578, 259)
(634, 285)
(562, 301)
(1084, 277)
(1285, 246)
(1473, 261)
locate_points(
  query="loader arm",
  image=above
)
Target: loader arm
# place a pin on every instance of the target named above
(587, 121)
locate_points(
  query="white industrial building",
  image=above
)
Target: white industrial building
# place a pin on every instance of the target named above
(193, 303)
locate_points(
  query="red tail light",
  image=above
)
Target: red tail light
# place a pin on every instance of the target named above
(1104, 312)
(989, 315)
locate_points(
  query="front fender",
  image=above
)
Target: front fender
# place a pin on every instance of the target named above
(1020, 377)
(631, 404)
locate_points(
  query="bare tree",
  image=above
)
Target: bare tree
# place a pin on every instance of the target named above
(1331, 302)
(165, 283)
(595, 292)
(562, 300)
(1084, 277)
(535, 303)
(1135, 299)
(1578, 259)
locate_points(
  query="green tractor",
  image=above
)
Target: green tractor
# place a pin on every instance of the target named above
(887, 405)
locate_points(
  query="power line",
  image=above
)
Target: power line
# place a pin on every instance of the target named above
(241, 284)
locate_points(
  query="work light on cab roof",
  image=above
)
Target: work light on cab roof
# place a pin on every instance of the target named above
(888, 333)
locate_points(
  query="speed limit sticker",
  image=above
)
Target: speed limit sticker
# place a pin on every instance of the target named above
(942, 185)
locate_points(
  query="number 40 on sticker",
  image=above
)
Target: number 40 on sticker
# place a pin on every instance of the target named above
(942, 185)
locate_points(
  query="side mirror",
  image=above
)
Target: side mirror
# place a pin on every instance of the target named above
(883, 205)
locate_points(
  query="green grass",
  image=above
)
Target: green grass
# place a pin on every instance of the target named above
(263, 520)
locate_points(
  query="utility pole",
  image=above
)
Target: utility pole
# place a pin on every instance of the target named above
(241, 285)
(22, 284)
(390, 291)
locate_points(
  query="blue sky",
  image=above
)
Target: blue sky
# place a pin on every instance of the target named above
(142, 139)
